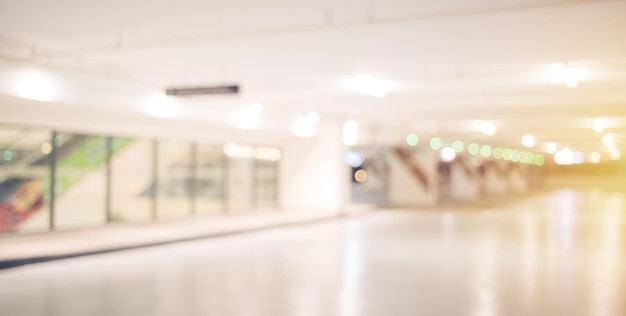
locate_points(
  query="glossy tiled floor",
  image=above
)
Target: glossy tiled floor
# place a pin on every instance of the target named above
(557, 254)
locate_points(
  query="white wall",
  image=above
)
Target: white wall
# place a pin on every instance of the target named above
(313, 175)
(404, 189)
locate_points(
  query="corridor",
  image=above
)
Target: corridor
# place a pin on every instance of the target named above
(557, 253)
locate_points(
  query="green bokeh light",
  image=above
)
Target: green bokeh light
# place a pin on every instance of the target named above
(485, 151)
(515, 155)
(531, 158)
(539, 160)
(412, 139)
(473, 149)
(435, 143)
(497, 153)
(506, 154)
(8, 155)
(523, 157)
(458, 146)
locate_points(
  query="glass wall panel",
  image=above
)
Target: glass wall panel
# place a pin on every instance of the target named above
(80, 181)
(174, 180)
(266, 177)
(239, 177)
(131, 180)
(24, 179)
(209, 180)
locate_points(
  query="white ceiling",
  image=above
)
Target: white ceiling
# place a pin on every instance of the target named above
(449, 62)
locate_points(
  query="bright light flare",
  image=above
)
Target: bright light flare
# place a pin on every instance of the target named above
(594, 157)
(528, 141)
(35, 85)
(162, 106)
(598, 125)
(487, 128)
(564, 156)
(448, 154)
(607, 140)
(350, 133)
(551, 148)
(368, 85)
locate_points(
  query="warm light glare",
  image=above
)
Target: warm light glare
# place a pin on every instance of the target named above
(598, 125)
(594, 157)
(488, 129)
(412, 139)
(550, 148)
(360, 176)
(46, 148)
(255, 108)
(568, 75)
(303, 128)
(564, 157)
(448, 154)
(162, 106)
(528, 141)
(350, 133)
(615, 153)
(238, 151)
(607, 140)
(368, 85)
(35, 85)
(313, 118)
(268, 153)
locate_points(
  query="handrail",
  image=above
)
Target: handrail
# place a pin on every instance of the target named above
(416, 171)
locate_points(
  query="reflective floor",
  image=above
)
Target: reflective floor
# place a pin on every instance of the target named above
(561, 253)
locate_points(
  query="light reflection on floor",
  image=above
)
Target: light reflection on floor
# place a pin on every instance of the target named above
(557, 254)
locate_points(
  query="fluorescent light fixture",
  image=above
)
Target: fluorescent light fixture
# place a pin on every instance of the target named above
(528, 141)
(369, 85)
(350, 133)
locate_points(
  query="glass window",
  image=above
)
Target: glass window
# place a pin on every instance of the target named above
(209, 180)
(131, 180)
(80, 180)
(24, 179)
(266, 183)
(174, 180)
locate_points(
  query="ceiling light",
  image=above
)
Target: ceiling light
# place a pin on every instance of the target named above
(607, 140)
(579, 158)
(594, 157)
(368, 85)
(615, 153)
(488, 129)
(448, 154)
(550, 148)
(564, 157)
(568, 76)
(313, 118)
(528, 141)
(35, 85)
(255, 108)
(598, 125)
(302, 127)
(162, 106)
(350, 133)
